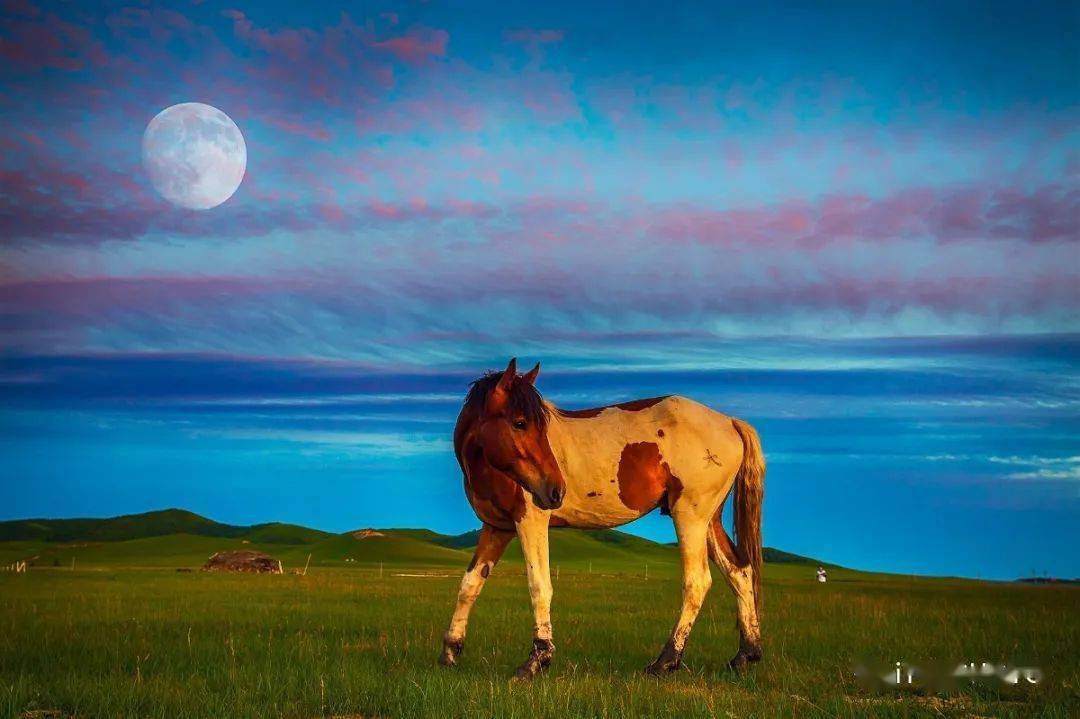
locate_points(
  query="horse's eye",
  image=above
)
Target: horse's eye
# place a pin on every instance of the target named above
(519, 424)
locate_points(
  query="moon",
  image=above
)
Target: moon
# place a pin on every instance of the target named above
(195, 155)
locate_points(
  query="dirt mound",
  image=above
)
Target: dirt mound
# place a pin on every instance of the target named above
(365, 533)
(243, 561)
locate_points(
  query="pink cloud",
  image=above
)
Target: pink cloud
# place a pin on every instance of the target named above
(293, 43)
(35, 43)
(444, 109)
(63, 302)
(1049, 213)
(24, 8)
(418, 209)
(416, 47)
(527, 36)
(346, 64)
(313, 131)
(161, 24)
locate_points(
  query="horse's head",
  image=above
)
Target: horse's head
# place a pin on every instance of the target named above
(506, 429)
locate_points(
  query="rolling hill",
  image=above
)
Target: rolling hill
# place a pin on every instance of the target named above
(151, 524)
(178, 538)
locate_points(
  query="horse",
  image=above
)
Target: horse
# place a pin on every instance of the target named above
(529, 466)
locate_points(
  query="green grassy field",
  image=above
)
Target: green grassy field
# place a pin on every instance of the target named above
(344, 642)
(123, 634)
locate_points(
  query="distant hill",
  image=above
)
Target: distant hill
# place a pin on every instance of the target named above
(175, 537)
(779, 556)
(394, 547)
(151, 524)
(613, 538)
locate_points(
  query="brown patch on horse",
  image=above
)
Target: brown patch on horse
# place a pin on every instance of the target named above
(659, 433)
(489, 549)
(593, 494)
(671, 496)
(580, 413)
(723, 542)
(636, 405)
(517, 510)
(645, 479)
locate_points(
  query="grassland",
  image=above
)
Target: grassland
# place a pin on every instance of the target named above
(121, 637)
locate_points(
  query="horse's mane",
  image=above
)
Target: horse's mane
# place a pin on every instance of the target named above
(525, 400)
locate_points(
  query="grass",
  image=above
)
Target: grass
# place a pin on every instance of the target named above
(127, 642)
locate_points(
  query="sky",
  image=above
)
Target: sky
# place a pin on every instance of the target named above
(854, 225)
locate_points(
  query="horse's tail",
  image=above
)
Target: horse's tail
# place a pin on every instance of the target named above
(749, 495)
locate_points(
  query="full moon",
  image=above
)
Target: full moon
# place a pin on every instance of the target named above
(194, 154)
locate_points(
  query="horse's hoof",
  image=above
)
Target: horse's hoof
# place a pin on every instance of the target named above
(538, 660)
(742, 661)
(528, 671)
(660, 668)
(670, 660)
(524, 673)
(533, 666)
(451, 651)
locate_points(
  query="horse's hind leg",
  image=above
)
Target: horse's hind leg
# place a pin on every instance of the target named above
(489, 549)
(740, 578)
(692, 531)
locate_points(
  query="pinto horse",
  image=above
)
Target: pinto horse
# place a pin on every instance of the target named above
(529, 465)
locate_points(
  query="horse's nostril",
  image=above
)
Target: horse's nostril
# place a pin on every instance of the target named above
(556, 496)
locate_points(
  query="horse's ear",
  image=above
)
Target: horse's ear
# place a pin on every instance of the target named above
(508, 376)
(501, 391)
(530, 376)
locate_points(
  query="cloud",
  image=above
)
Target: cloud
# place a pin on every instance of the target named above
(338, 63)
(362, 443)
(33, 41)
(418, 46)
(292, 43)
(530, 36)
(919, 404)
(1041, 468)
(312, 130)
(1047, 213)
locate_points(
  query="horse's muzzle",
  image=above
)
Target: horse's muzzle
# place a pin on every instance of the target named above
(557, 494)
(551, 498)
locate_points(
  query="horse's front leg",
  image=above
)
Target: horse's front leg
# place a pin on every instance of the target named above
(489, 548)
(533, 532)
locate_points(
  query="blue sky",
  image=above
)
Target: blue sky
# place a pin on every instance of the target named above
(854, 226)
